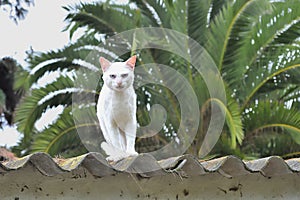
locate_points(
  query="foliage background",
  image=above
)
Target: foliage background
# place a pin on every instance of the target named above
(255, 44)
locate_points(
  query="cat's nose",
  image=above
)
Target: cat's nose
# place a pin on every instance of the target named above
(119, 83)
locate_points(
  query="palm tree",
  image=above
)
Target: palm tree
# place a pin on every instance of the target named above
(9, 93)
(254, 43)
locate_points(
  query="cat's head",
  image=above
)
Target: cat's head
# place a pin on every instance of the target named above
(118, 76)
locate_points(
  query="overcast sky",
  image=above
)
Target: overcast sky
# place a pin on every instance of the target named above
(41, 30)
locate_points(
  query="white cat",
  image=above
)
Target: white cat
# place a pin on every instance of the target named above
(116, 109)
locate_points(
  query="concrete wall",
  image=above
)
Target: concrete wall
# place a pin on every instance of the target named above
(28, 183)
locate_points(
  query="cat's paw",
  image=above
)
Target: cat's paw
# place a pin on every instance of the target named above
(116, 158)
(132, 153)
(115, 154)
(113, 159)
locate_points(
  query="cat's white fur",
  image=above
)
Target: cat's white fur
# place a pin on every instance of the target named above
(116, 109)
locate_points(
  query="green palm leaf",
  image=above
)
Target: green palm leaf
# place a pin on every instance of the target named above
(147, 11)
(223, 25)
(233, 119)
(61, 137)
(285, 61)
(258, 37)
(160, 9)
(289, 36)
(102, 17)
(33, 105)
(197, 19)
(216, 8)
(63, 60)
(267, 116)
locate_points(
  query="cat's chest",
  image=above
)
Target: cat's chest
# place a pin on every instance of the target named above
(119, 104)
(124, 103)
(122, 108)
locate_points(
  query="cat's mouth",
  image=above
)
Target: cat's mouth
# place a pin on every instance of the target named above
(120, 87)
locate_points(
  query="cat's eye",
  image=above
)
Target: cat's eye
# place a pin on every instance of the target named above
(124, 75)
(113, 76)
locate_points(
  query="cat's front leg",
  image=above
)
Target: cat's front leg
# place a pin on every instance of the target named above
(131, 146)
(127, 129)
(130, 142)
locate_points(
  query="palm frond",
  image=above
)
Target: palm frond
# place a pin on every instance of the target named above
(198, 12)
(216, 8)
(290, 35)
(270, 144)
(65, 59)
(291, 94)
(233, 119)
(269, 116)
(147, 11)
(178, 13)
(223, 148)
(61, 137)
(224, 23)
(259, 36)
(33, 105)
(160, 10)
(23, 146)
(284, 59)
(101, 17)
(271, 129)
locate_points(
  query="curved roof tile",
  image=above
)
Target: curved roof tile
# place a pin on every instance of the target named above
(147, 166)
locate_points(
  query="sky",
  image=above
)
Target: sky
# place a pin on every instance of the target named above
(42, 30)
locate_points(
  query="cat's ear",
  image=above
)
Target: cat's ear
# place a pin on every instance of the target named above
(104, 64)
(131, 62)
